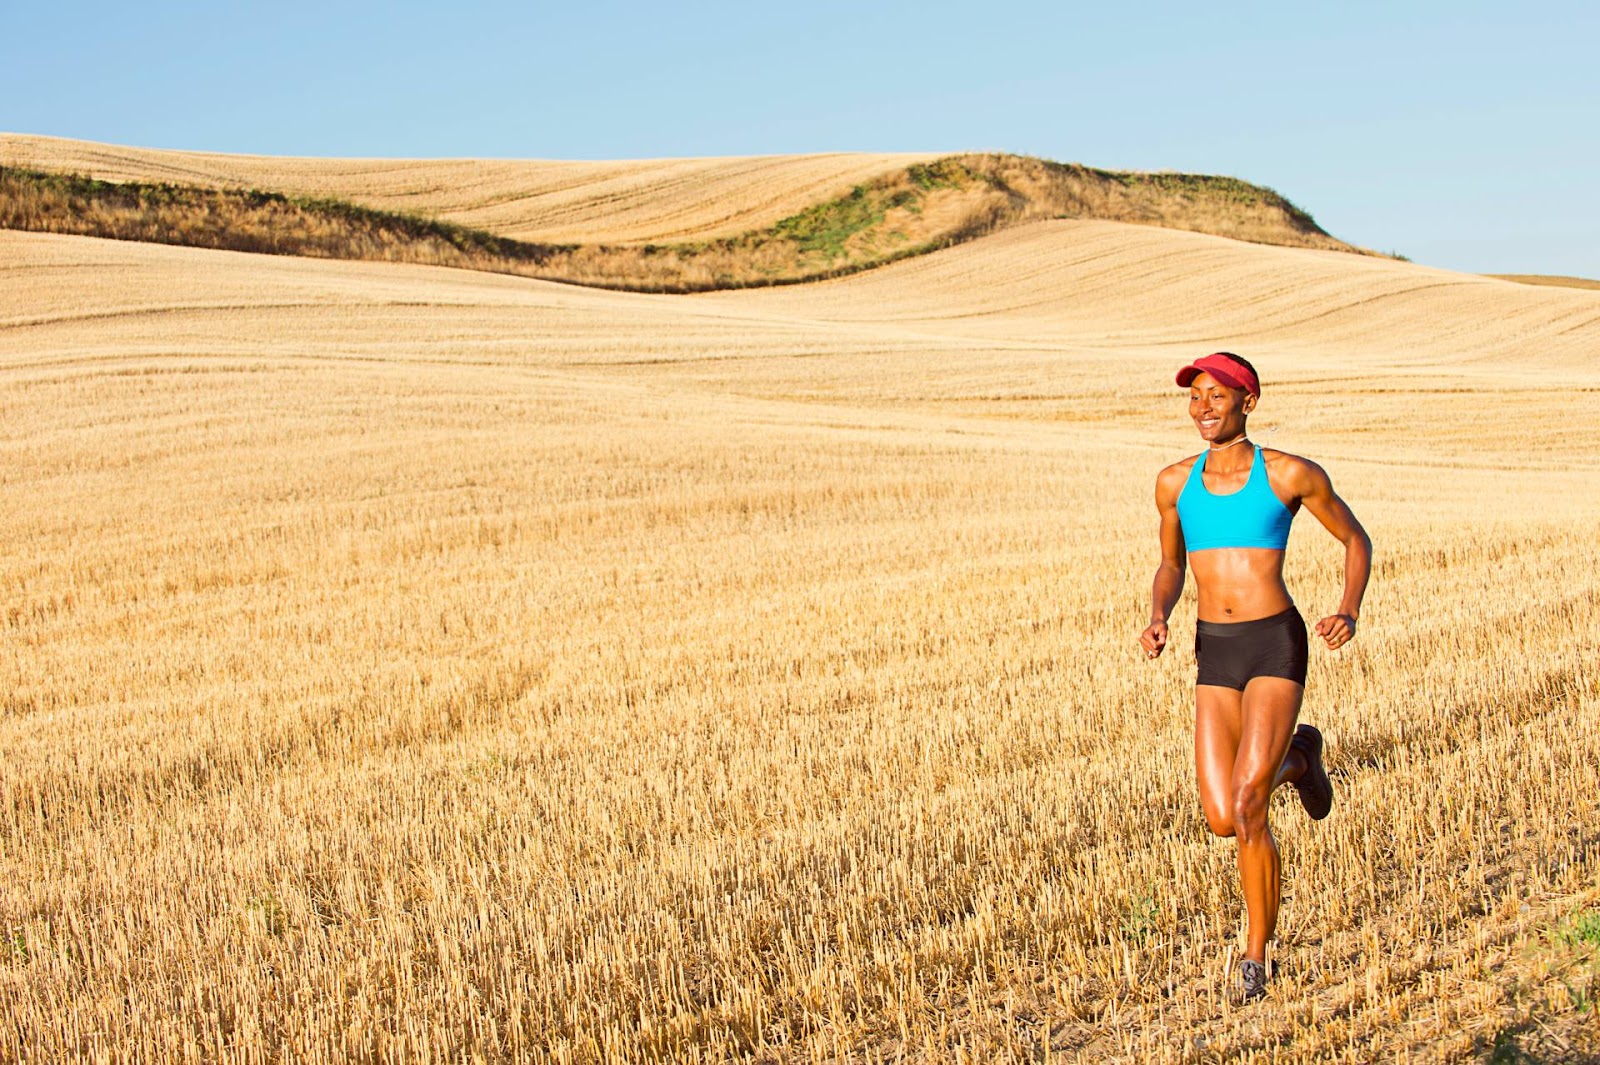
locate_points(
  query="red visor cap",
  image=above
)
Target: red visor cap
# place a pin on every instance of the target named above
(1224, 370)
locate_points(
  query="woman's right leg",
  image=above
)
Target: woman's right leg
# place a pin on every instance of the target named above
(1225, 778)
(1267, 716)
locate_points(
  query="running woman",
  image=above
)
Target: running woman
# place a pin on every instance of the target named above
(1226, 512)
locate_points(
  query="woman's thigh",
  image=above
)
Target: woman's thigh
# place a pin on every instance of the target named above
(1267, 714)
(1217, 719)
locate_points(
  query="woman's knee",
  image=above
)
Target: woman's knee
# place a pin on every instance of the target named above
(1219, 821)
(1250, 811)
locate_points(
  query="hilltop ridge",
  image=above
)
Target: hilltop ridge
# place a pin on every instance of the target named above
(618, 201)
(900, 212)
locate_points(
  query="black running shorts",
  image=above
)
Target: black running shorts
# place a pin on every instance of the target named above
(1230, 653)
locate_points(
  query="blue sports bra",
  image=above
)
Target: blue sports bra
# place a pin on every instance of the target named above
(1251, 517)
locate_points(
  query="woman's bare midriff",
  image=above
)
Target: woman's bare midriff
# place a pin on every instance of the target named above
(1239, 583)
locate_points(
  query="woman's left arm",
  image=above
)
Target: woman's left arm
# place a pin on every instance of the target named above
(1316, 494)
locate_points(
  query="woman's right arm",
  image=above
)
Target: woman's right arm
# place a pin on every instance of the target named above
(1168, 585)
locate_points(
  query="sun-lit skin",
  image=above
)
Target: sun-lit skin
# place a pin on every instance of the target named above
(1243, 582)
(1242, 738)
(1239, 584)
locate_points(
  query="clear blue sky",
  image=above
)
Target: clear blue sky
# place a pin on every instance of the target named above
(1460, 134)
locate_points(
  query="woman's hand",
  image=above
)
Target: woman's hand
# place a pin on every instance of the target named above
(1336, 630)
(1154, 639)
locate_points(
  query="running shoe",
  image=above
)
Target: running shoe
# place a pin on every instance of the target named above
(1316, 790)
(1254, 977)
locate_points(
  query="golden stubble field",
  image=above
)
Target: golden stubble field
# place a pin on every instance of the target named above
(413, 665)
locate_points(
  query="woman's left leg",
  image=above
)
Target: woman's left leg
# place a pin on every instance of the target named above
(1267, 716)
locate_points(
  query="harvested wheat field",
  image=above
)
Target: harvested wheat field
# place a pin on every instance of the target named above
(408, 664)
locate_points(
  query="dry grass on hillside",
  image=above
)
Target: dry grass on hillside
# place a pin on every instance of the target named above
(410, 664)
(546, 201)
(899, 215)
(253, 221)
(667, 201)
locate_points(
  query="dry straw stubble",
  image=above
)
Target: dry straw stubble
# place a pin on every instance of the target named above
(601, 677)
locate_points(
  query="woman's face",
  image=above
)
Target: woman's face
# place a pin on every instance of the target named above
(1218, 411)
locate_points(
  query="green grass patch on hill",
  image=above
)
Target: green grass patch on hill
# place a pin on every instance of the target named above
(825, 227)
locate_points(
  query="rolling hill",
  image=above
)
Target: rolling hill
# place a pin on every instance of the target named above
(653, 200)
(896, 213)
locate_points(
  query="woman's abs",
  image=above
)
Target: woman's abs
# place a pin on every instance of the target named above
(1239, 583)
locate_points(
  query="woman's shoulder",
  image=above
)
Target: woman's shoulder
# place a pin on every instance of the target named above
(1171, 479)
(1287, 459)
(1290, 469)
(1180, 468)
